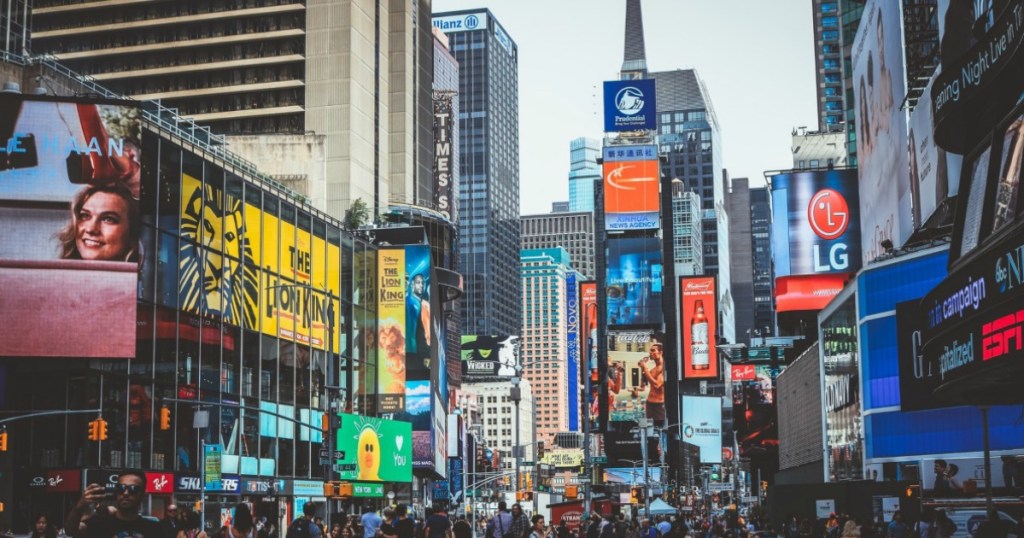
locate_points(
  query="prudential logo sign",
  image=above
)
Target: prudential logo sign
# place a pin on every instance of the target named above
(629, 105)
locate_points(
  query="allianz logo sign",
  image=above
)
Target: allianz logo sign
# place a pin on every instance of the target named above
(457, 23)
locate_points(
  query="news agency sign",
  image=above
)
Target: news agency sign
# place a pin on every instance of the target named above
(629, 105)
(463, 22)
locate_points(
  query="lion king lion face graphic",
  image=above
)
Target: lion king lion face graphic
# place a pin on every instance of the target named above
(216, 271)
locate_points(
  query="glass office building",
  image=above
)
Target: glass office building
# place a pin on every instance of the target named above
(488, 170)
(583, 172)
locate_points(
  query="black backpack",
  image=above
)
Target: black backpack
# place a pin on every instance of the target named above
(299, 528)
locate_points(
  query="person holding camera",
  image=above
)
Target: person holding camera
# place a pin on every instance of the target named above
(102, 514)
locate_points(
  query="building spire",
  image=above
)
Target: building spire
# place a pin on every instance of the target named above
(634, 61)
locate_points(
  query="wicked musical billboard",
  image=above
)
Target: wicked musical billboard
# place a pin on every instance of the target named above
(70, 186)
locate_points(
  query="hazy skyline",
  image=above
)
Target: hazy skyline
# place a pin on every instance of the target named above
(756, 58)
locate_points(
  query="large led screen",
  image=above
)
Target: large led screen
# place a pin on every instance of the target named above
(699, 325)
(374, 449)
(225, 245)
(631, 186)
(879, 87)
(702, 426)
(71, 247)
(489, 357)
(815, 225)
(634, 278)
(636, 377)
(588, 349)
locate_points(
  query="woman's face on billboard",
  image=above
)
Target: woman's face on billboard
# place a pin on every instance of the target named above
(102, 231)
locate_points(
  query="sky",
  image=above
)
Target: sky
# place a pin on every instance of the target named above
(755, 56)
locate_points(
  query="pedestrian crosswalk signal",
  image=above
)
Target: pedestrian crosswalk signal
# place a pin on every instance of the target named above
(165, 418)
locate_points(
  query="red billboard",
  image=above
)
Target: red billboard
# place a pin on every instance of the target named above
(744, 372)
(697, 296)
(588, 339)
(807, 292)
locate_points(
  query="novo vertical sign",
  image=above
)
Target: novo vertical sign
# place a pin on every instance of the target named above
(572, 348)
(629, 105)
(698, 314)
(631, 187)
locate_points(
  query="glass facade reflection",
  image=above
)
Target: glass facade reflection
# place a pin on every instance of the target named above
(841, 368)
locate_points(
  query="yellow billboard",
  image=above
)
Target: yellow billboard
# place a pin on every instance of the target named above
(287, 300)
(571, 457)
(391, 336)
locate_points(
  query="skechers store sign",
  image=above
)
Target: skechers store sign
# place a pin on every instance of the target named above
(975, 319)
(466, 22)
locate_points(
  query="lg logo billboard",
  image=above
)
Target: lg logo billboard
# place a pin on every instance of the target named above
(828, 213)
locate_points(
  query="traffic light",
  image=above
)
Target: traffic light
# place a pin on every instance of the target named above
(94, 430)
(101, 429)
(3, 440)
(571, 492)
(636, 495)
(330, 489)
(540, 450)
(165, 418)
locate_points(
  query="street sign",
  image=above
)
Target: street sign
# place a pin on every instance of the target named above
(325, 454)
(212, 455)
(600, 459)
(583, 480)
(750, 499)
(716, 488)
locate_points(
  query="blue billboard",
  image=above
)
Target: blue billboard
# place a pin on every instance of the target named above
(634, 273)
(884, 369)
(572, 348)
(629, 105)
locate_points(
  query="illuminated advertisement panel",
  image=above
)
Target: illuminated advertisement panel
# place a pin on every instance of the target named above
(71, 247)
(631, 199)
(588, 348)
(445, 155)
(630, 105)
(391, 339)
(815, 225)
(879, 86)
(374, 449)
(489, 357)
(634, 276)
(572, 348)
(702, 426)
(224, 244)
(699, 316)
(636, 377)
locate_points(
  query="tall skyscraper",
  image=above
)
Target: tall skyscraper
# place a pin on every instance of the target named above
(544, 350)
(835, 24)
(330, 97)
(583, 171)
(742, 273)
(489, 170)
(687, 234)
(572, 231)
(750, 241)
(689, 139)
(764, 275)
